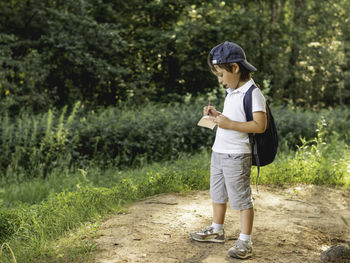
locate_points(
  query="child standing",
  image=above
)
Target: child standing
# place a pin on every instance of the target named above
(231, 153)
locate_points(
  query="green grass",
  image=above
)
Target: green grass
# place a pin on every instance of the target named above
(317, 161)
(37, 215)
(31, 230)
(37, 190)
(61, 141)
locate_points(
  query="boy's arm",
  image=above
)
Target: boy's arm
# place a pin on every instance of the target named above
(257, 125)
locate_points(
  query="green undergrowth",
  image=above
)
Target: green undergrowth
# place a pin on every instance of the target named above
(317, 161)
(34, 222)
(59, 142)
(31, 230)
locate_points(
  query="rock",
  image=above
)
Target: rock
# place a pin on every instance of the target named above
(336, 254)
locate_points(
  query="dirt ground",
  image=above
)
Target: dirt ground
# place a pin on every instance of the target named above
(291, 225)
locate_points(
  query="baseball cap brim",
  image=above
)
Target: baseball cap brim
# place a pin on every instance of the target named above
(248, 66)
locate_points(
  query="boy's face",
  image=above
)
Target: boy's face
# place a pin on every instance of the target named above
(228, 79)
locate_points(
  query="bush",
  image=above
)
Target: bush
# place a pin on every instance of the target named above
(296, 124)
(32, 146)
(138, 136)
(60, 142)
(323, 160)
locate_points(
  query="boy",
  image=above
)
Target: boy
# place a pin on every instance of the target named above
(231, 153)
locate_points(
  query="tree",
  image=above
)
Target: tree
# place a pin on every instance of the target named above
(54, 53)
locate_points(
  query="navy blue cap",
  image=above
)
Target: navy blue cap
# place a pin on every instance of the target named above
(229, 52)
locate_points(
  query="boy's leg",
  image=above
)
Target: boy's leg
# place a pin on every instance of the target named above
(247, 218)
(237, 177)
(218, 190)
(219, 211)
(243, 247)
(215, 232)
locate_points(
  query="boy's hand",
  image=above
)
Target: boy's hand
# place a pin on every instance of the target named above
(210, 111)
(223, 122)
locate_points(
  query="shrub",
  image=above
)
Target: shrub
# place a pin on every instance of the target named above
(35, 146)
(323, 160)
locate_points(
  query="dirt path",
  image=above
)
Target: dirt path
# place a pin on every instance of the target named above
(291, 225)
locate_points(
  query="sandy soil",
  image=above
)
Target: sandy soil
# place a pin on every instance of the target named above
(291, 225)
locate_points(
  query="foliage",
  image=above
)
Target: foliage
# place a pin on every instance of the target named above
(35, 146)
(41, 224)
(53, 53)
(321, 160)
(31, 230)
(294, 125)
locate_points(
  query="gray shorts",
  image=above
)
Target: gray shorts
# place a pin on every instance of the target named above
(230, 180)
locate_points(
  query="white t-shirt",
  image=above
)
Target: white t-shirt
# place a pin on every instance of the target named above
(230, 141)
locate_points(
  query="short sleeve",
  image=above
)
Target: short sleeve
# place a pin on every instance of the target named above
(258, 101)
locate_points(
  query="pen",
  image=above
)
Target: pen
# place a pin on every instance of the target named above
(208, 107)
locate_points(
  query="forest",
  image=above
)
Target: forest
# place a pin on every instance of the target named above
(54, 53)
(99, 102)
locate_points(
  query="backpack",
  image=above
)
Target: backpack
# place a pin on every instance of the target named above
(264, 145)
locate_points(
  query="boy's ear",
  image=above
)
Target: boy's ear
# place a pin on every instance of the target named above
(235, 68)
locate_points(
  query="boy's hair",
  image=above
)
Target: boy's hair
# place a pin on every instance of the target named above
(245, 73)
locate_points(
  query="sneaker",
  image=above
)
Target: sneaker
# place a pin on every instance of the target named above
(209, 235)
(242, 249)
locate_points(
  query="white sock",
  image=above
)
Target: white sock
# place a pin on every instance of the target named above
(244, 237)
(217, 227)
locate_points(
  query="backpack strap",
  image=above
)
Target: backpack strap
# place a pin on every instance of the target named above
(248, 109)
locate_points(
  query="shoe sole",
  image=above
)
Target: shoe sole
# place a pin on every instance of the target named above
(207, 239)
(240, 257)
